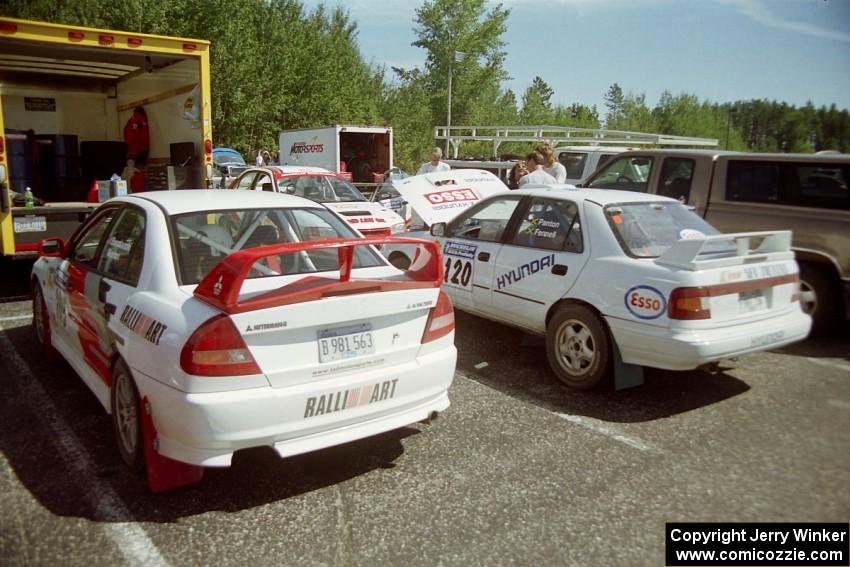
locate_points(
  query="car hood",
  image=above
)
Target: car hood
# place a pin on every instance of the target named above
(440, 196)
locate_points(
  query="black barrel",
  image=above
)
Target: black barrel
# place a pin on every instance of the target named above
(59, 165)
(19, 151)
(100, 160)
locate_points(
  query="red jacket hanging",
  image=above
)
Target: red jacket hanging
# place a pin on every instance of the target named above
(137, 136)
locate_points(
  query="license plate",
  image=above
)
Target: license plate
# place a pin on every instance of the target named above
(749, 301)
(345, 342)
(30, 224)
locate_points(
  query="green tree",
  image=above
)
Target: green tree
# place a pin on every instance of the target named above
(536, 103)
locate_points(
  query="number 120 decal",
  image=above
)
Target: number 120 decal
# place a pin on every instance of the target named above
(458, 272)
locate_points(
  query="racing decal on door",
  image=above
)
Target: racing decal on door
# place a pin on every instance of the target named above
(645, 302)
(149, 329)
(542, 228)
(347, 399)
(460, 258)
(524, 271)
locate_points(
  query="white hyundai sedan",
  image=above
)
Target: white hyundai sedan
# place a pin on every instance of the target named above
(598, 272)
(206, 322)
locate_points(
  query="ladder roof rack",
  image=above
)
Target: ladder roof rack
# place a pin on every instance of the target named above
(556, 135)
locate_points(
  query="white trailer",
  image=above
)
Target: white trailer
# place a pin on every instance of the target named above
(360, 153)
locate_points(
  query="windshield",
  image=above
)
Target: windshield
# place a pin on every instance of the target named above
(227, 157)
(629, 173)
(647, 230)
(204, 238)
(320, 188)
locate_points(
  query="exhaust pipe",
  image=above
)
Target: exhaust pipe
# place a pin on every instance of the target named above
(432, 417)
(712, 368)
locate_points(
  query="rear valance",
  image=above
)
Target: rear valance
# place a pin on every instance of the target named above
(222, 285)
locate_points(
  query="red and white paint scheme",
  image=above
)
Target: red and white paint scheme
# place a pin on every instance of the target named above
(603, 274)
(327, 188)
(206, 322)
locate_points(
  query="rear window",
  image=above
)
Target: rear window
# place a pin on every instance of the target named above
(647, 230)
(801, 184)
(574, 163)
(204, 238)
(320, 188)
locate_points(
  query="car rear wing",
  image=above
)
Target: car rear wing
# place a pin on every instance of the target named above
(221, 287)
(769, 245)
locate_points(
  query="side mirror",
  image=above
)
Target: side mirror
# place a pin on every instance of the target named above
(53, 247)
(438, 229)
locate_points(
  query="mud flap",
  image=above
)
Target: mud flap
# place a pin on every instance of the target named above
(163, 473)
(625, 375)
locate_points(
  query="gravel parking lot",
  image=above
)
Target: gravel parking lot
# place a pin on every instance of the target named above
(519, 471)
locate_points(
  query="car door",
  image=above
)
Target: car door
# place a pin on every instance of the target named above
(263, 182)
(539, 262)
(80, 285)
(470, 248)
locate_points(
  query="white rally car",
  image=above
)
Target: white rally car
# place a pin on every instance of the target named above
(207, 322)
(323, 186)
(598, 270)
(438, 197)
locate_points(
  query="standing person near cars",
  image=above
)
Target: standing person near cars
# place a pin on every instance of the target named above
(536, 175)
(518, 171)
(436, 163)
(551, 165)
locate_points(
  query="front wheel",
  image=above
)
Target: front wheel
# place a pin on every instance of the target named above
(41, 324)
(578, 347)
(127, 417)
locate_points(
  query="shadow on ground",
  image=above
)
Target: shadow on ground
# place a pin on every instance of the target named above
(39, 438)
(517, 366)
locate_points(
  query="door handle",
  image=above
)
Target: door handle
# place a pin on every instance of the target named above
(559, 270)
(484, 256)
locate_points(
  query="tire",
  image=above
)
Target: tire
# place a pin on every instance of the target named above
(399, 260)
(127, 417)
(41, 325)
(578, 347)
(819, 298)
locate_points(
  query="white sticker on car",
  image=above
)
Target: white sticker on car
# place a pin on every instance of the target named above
(460, 259)
(645, 302)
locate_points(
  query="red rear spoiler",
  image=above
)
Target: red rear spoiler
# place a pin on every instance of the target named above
(221, 286)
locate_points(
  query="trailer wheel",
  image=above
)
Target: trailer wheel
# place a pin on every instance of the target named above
(578, 347)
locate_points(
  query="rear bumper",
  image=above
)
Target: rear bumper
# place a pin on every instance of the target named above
(206, 429)
(685, 349)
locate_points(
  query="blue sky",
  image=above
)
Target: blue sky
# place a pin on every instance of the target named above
(721, 50)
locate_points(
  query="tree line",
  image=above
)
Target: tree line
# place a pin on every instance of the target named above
(276, 65)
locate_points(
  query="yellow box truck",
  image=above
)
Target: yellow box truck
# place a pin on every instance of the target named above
(80, 105)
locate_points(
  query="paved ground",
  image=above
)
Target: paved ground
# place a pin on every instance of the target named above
(519, 471)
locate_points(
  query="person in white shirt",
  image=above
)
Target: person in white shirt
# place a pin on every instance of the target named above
(435, 164)
(550, 165)
(535, 175)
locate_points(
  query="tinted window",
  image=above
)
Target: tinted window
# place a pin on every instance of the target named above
(85, 246)
(486, 221)
(574, 163)
(675, 179)
(629, 173)
(789, 183)
(551, 225)
(206, 237)
(124, 248)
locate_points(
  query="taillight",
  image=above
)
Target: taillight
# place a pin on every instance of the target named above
(441, 319)
(216, 349)
(689, 303)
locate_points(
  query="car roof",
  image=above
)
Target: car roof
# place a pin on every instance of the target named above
(281, 171)
(598, 196)
(192, 200)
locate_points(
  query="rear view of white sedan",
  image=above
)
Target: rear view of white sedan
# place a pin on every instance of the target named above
(206, 322)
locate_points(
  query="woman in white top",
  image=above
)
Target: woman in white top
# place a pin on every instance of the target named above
(435, 164)
(550, 165)
(535, 175)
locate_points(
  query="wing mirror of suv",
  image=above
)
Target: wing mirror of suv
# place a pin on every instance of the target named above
(438, 229)
(53, 247)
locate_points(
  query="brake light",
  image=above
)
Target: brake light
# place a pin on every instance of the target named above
(216, 349)
(106, 39)
(76, 36)
(689, 303)
(441, 319)
(134, 41)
